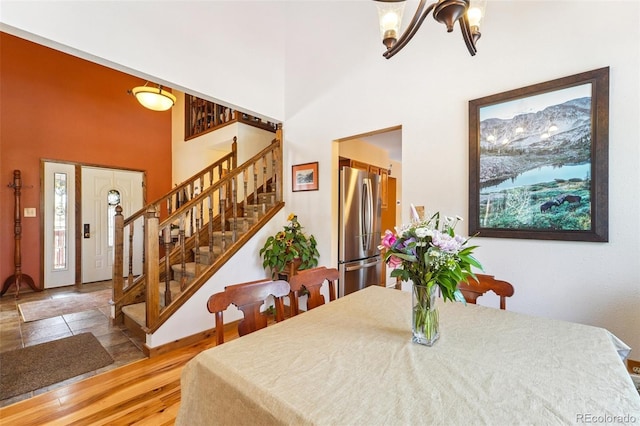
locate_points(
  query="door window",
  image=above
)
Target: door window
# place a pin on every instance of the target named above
(60, 221)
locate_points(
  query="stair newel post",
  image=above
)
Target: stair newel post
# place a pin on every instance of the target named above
(234, 152)
(166, 238)
(118, 254)
(183, 253)
(151, 270)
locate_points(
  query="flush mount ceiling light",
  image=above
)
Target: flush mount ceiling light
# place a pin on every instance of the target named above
(467, 12)
(154, 98)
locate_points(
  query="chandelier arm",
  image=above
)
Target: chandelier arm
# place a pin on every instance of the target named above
(413, 27)
(466, 34)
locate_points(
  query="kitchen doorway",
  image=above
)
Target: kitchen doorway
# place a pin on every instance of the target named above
(378, 152)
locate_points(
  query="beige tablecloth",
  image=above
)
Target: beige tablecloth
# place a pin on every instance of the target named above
(352, 362)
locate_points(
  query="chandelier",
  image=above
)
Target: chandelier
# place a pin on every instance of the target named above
(467, 12)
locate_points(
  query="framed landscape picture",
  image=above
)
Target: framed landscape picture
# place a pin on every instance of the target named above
(304, 177)
(538, 160)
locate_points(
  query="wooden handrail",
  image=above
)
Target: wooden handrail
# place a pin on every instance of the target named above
(231, 160)
(196, 219)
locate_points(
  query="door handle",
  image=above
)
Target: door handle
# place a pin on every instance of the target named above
(87, 230)
(366, 265)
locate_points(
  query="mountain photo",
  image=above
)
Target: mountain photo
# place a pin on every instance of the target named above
(535, 162)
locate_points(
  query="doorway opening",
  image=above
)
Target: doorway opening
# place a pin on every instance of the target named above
(78, 209)
(379, 153)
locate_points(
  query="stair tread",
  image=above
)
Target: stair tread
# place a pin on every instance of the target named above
(189, 267)
(137, 312)
(205, 249)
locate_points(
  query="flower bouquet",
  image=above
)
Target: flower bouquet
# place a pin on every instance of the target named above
(431, 255)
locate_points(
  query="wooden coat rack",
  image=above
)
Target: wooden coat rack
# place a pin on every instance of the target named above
(18, 277)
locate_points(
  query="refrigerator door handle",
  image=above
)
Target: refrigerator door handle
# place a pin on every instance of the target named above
(367, 214)
(367, 265)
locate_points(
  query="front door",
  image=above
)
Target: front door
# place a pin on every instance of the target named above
(102, 190)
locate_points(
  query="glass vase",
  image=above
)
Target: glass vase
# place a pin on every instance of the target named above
(425, 321)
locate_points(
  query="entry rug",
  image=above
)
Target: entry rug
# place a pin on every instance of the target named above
(34, 367)
(78, 302)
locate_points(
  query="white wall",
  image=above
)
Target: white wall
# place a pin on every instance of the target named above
(338, 84)
(329, 81)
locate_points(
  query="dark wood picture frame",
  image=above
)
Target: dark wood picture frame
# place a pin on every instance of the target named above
(556, 135)
(304, 177)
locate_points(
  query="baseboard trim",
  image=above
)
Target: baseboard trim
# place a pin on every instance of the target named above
(229, 329)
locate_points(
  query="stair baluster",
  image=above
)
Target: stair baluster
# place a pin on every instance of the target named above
(210, 226)
(264, 173)
(197, 237)
(245, 183)
(166, 233)
(223, 215)
(183, 254)
(234, 203)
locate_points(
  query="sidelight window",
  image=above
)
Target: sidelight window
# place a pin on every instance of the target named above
(60, 221)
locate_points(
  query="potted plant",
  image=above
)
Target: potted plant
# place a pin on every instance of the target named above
(289, 248)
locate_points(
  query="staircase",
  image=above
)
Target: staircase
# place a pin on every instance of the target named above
(166, 251)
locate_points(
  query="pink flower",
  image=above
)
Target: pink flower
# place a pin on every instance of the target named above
(388, 240)
(393, 262)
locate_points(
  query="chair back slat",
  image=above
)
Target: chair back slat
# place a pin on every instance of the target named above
(248, 298)
(471, 290)
(312, 280)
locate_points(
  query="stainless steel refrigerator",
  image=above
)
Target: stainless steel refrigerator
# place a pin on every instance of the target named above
(359, 260)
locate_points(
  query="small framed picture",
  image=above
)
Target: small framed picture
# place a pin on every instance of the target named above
(304, 177)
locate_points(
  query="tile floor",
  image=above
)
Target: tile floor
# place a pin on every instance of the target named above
(123, 347)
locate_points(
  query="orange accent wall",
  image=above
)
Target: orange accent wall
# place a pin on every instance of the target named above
(56, 106)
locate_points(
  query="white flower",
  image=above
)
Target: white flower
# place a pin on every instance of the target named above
(422, 232)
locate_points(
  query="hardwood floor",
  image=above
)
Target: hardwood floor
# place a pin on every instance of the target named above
(146, 392)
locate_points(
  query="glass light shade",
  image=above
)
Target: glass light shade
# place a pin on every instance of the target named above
(475, 13)
(154, 98)
(390, 16)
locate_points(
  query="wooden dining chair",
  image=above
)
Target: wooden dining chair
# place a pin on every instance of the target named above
(247, 297)
(312, 280)
(471, 290)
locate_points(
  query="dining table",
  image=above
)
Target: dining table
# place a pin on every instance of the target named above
(352, 362)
